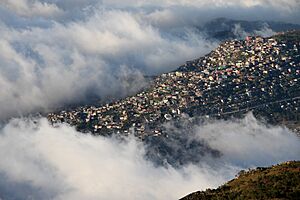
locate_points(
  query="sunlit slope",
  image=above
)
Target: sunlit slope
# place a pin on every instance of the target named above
(276, 182)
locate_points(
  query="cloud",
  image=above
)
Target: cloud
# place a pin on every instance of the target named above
(63, 164)
(286, 10)
(265, 32)
(202, 3)
(45, 67)
(30, 8)
(59, 163)
(240, 33)
(247, 141)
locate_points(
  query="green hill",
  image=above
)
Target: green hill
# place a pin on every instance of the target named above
(276, 182)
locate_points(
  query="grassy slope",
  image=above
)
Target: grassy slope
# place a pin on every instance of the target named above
(277, 182)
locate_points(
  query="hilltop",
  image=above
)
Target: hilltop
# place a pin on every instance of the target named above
(256, 74)
(276, 182)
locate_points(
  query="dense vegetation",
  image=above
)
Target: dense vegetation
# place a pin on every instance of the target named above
(291, 36)
(277, 182)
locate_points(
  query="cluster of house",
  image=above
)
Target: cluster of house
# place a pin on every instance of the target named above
(237, 76)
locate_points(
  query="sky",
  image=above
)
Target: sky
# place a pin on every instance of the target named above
(55, 53)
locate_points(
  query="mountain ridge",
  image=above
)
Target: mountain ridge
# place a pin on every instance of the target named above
(226, 29)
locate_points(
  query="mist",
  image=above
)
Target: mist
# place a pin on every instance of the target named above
(42, 161)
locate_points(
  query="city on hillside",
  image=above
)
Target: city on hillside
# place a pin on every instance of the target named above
(256, 74)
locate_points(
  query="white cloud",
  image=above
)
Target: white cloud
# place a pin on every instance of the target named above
(43, 68)
(60, 163)
(240, 33)
(30, 8)
(69, 165)
(249, 142)
(210, 3)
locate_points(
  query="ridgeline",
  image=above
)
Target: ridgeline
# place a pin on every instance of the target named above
(276, 182)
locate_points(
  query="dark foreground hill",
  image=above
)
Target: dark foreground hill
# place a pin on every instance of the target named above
(277, 182)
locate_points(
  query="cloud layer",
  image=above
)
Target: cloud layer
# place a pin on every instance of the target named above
(50, 63)
(40, 161)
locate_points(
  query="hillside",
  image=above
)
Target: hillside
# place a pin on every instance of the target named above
(256, 74)
(225, 29)
(277, 182)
